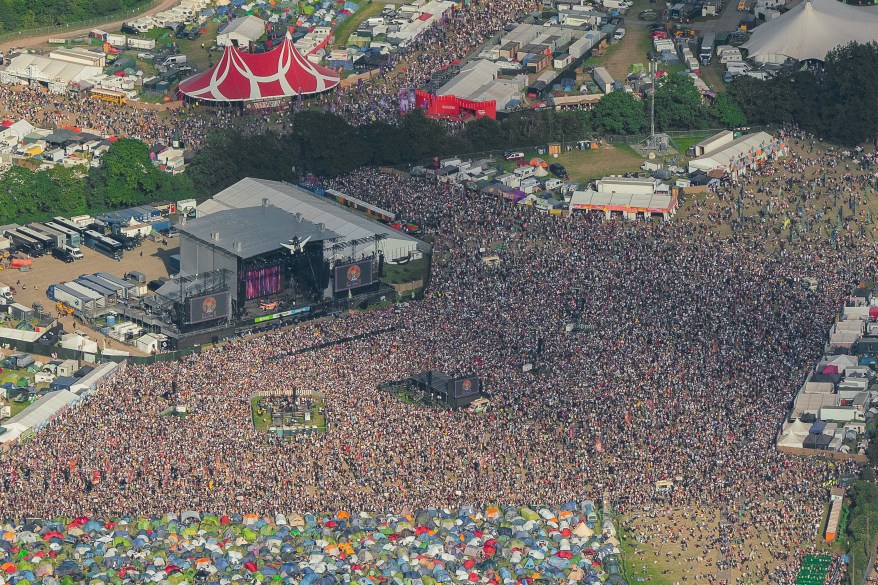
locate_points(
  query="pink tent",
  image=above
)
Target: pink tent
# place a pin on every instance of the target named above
(830, 369)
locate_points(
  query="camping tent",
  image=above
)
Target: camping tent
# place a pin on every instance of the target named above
(812, 29)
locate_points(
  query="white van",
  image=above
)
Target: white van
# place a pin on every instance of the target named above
(75, 252)
(174, 60)
(552, 184)
(737, 67)
(760, 75)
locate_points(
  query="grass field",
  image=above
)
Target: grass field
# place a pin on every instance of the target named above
(343, 32)
(404, 273)
(262, 420)
(587, 165)
(632, 567)
(199, 56)
(16, 407)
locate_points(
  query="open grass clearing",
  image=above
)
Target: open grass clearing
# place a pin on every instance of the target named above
(344, 31)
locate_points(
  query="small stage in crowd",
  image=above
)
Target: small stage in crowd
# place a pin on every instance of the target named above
(437, 388)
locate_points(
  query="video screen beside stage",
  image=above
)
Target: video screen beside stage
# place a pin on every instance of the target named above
(464, 387)
(353, 275)
(261, 282)
(208, 307)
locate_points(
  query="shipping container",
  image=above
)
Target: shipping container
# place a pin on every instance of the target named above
(117, 40)
(73, 299)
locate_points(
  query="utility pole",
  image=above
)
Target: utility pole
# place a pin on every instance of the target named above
(652, 72)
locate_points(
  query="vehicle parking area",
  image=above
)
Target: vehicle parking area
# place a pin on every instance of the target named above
(151, 258)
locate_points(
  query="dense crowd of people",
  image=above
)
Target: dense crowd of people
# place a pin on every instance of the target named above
(689, 347)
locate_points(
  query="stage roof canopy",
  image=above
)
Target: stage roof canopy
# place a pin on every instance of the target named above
(345, 222)
(812, 29)
(242, 77)
(253, 231)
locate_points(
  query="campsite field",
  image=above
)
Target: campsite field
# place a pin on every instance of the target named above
(343, 32)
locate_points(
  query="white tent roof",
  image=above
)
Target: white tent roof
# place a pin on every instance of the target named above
(812, 29)
(345, 222)
(726, 156)
(43, 409)
(794, 434)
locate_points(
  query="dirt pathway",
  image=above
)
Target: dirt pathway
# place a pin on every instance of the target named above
(30, 42)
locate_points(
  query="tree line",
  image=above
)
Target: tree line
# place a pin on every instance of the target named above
(326, 145)
(16, 15)
(837, 102)
(861, 528)
(125, 178)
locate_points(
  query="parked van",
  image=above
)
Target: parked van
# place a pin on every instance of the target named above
(737, 67)
(6, 292)
(760, 75)
(174, 60)
(75, 252)
(552, 184)
(63, 255)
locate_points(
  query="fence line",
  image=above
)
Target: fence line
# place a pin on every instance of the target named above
(91, 358)
(76, 26)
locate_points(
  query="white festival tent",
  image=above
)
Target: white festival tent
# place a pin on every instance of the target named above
(812, 29)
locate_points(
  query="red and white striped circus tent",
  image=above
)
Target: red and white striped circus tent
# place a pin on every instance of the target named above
(249, 77)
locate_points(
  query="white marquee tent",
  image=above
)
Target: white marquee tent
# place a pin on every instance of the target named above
(812, 29)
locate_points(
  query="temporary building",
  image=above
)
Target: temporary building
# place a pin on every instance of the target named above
(244, 77)
(793, 434)
(741, 154)
(812, 29)
(37, 414)
(241, 31)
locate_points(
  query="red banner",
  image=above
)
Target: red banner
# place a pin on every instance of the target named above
(450, 106)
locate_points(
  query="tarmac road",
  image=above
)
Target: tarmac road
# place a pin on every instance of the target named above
(30, 42)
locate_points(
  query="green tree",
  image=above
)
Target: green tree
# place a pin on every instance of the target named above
(328, 144)
(619, 113)
(484, 134)
(727, 112)
(27, 195)
(849, 97)
(678, 104)
(228, 157)
(128, 177)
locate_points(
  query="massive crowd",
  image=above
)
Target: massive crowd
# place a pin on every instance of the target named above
(694, 338)
(692, 343)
